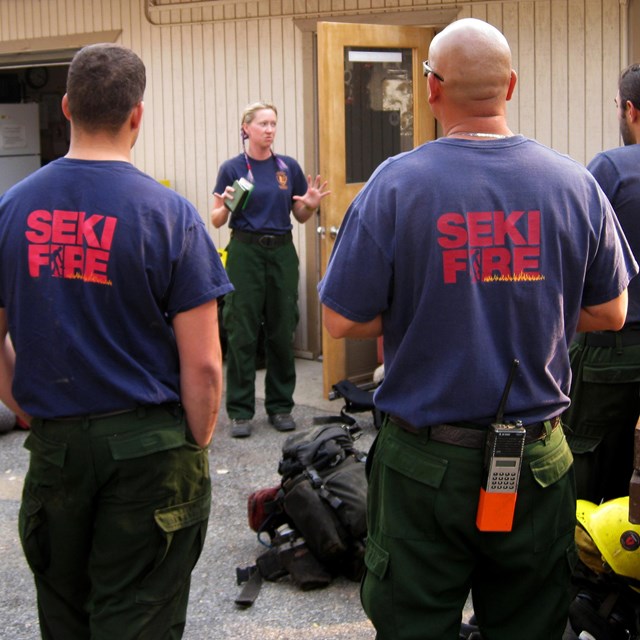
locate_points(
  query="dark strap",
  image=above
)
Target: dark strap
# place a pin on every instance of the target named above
(343, 418)
(251, 589)
(357, 398)
(265, 240)
(474, 438)
(611, 339)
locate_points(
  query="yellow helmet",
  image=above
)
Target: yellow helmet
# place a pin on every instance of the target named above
(616, 538)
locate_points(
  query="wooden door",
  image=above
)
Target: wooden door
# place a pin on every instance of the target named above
(372, 105)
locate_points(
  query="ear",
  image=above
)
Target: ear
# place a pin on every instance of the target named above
(435, 88)
(65, 107)
(136, 115)
(512, 84)
(631, 112)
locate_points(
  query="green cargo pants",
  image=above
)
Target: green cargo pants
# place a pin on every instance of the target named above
(605, 405)
(266, 289)
(112, 522)
(424, 551)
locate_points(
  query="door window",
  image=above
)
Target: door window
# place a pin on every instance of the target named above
(378, 107)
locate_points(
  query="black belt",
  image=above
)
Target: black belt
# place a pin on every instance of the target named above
(469, 437)
(624, 338)
(171, 407)
(266, 240)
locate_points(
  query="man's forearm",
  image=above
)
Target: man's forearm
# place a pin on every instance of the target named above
(609, 316)
(201, 393)
(340, 327)
(198, 340)
(7, 360)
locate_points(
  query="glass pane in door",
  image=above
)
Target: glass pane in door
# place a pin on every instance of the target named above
(378, 109)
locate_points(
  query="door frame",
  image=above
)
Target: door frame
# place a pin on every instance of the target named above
(334, 36)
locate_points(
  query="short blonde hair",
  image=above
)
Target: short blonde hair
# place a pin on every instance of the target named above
(250, 111)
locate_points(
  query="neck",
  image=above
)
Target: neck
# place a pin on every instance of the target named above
(489, 127)
(259, 153)
(99, 147)
(482, 135)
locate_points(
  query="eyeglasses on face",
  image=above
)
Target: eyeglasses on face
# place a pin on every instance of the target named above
(426, 69)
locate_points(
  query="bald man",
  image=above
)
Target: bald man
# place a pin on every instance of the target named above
(476, 257)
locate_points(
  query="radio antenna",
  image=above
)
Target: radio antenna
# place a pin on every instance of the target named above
(507, 388)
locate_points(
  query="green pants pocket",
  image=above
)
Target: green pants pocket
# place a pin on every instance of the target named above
(616, 373)
(582, 443)
(404, 488)
(182, 530)
(54, 453)
(376, 559)
(138, 445)
(553, 495)
(413, 463)
(548, 469)
(31, 523)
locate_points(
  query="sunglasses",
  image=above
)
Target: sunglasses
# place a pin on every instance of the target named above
(426, 69)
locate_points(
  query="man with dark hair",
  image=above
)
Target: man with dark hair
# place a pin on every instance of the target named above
(108, 290)
(605, 389)
(471, 254)
(104, 86)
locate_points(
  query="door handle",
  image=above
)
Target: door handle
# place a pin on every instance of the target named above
(333, 231)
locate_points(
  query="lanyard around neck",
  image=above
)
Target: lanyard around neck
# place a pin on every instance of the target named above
(281, 166)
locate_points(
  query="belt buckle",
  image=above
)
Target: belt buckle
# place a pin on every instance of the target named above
(268, 241)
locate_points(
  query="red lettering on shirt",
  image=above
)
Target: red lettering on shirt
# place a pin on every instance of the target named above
(450, 225)
(63, 227)
(40, 224)
(480, 225)
(70, 244)
(490, 246)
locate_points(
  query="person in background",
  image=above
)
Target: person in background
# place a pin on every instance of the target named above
(477, 257)
(605, 387)
(263, 265)
(108, 290)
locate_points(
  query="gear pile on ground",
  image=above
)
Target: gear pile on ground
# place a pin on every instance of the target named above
(314, 521)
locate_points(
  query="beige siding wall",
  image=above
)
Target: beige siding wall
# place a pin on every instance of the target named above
(206, 60)
(568, 54)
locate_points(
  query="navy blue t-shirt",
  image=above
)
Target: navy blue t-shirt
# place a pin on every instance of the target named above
(268, 209)
(96, 258)
(618, 173)
(476, 253)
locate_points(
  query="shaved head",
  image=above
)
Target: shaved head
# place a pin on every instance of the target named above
(474, 59)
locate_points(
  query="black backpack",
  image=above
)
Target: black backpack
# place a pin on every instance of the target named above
(315, 519)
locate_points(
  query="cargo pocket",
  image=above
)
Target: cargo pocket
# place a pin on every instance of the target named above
(554, 499)
(548, 469)
(141, 444)
(151, 463)
(376, 559)
(182, 530)
(376, 593)
(409, 479)
(31, 526)
(44, 482)
(583, 443)
(613, 374)
(47, 460)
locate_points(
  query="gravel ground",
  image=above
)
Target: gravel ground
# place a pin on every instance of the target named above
(238, 467)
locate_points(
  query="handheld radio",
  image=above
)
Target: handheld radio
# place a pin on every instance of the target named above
(504, 450)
